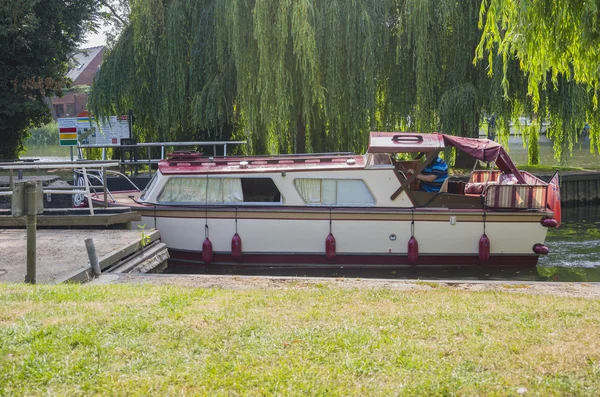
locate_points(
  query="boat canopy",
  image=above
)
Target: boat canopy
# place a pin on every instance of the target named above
(410, 142)
(404, 142)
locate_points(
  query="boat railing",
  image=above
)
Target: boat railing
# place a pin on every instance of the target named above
(101, 177)
(83, 167)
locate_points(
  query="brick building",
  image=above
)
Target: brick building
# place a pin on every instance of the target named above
(86, 62)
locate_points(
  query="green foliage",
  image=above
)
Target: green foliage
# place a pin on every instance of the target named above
(291, 76)
(144, 238)
(315, 75)
(47, 134)
(558, 47)
(567, 108)
(36, 40)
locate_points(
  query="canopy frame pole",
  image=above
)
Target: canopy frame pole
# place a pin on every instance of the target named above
(405, 182)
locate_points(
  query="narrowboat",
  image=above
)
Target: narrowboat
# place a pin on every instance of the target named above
(343, 209)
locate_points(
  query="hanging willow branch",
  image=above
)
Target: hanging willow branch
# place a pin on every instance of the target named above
(317, 75)
(558, 46)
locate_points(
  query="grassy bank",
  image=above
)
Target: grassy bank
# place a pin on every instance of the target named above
(302, 340)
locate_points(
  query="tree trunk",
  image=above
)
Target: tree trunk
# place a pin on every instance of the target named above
(462, 159)
(300, 134)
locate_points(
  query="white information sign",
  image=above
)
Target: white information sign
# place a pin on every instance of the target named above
(79, 130)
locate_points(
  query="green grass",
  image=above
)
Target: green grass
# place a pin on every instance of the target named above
(525, 167)
(547, 168)
(302, 340)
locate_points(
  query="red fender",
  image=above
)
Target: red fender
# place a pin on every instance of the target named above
(207, 251)
(541, 249)
(484, 248)
(554, 199)
(413, 251)
(236, 247)
(330, 247)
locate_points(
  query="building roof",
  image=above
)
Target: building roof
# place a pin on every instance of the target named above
(82, 59)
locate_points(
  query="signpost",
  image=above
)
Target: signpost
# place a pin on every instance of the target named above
(67, 130)
(110, 131)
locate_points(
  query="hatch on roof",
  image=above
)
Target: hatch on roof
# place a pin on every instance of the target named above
(184, 155)
(404, 142)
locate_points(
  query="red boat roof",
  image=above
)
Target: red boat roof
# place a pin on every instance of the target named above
(193, 163)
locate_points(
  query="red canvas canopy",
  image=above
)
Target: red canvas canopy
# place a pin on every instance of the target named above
(484, 150)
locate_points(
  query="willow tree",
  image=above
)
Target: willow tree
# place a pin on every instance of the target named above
(295, 76)
(303, 75)
(289, 75)
(558, 47)
(438, 86)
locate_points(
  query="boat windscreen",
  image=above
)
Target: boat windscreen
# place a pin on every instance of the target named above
(149, 186)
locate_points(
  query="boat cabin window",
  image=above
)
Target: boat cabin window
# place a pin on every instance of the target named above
(194, 190)
(260, 190)
(380, 160)
(334, 191)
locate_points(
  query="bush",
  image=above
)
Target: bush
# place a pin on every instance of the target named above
(44, 135)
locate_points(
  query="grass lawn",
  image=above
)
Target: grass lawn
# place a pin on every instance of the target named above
(302, 340)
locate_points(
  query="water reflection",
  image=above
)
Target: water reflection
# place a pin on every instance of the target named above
(48, 152)
(575, 247)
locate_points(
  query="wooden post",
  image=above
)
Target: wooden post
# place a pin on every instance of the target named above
(87, 191)
(104, 187)
(32, 193)
(148, 152)
(91, 250)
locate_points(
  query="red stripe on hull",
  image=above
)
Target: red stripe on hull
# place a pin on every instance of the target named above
(521, 261)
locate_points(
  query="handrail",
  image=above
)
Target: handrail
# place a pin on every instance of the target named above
(159, 144)
(149, 145)
(84, 165)
(162, 145)
(58, 164)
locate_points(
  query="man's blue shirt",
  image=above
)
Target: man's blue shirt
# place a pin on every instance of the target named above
(439, 168)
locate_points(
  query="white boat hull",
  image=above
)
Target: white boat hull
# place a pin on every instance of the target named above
(373, 238)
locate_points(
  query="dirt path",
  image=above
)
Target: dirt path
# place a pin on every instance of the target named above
(584, 290)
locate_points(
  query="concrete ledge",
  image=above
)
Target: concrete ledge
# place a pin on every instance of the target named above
(85, 273)
(61, 254)
(153, 256)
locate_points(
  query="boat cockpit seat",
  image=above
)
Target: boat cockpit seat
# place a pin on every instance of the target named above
(477, 187)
